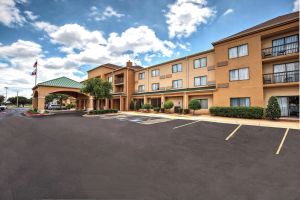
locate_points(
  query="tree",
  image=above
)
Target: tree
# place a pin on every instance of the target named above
(98, 88)
(273, 109)
(1, 99)
(194, 105)
(21, 100)
(168, 105)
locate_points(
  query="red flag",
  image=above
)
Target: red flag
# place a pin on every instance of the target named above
(35, 64)
(34, 72)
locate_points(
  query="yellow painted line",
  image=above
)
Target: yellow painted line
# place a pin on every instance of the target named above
(282, 141)
(187, 124)
(233, 132)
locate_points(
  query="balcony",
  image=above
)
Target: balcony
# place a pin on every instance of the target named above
(281, 77)
(119, 81)
(280, 50)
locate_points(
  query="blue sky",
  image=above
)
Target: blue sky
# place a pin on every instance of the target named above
(69, 37)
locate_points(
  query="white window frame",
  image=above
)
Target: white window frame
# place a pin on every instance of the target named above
(155, 72)
(156, 88)
(176, 84)
(141, 75)
(238, 51)
(176, 68)
(110, 79)
(200, 81)
(200, 61)
(239, 74)
(141, 88)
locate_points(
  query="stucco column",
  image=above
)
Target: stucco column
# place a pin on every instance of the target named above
(163, 99)
(41, 104)
(121, 103)
(145, 99)
(185, 101)
(90, 105)
(111, 103)
(106, 103)
(34, 103)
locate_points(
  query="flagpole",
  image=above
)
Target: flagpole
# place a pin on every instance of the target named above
(36, 73)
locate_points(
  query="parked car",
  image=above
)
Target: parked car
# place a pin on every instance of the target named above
(55, 107)
(3, 107)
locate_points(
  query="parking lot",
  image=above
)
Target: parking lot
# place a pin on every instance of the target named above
(138, 157)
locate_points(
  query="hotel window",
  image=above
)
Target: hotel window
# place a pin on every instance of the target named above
(286, 72)
(199, 63)
(177, 84)
(204, 103)
(155, 86)
(239, 74)
(141, 88)
(141, 75)
(110, 79)
(238, 51)
(176, 68)
(243, 102)
(155, 72)
(286, 44)
(200, 81)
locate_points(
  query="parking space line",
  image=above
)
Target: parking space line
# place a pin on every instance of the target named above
(233, 132)
(187, 124)
(282, 141)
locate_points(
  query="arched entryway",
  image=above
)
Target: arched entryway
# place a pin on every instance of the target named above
(61, 85)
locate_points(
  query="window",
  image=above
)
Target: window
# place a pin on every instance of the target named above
(141, 88)
(238, 51)
(176, 68)
(200, 80)
(141, 75)
(177, 83)
(287, 72)
(155, 86)
(155, 72)
(243, 102)
(204, 103)
(202, 62)
(110, 79)
(287, 44)
(239, 74)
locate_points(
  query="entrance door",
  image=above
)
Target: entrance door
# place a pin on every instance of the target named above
(283, 103)
(294, 106)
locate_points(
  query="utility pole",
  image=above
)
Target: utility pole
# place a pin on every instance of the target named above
(6, 94)
(17, 99)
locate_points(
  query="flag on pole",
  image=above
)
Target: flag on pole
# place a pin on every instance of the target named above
(35, 64)
(34, 72)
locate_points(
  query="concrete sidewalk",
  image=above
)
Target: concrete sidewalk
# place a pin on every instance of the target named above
(226, 120)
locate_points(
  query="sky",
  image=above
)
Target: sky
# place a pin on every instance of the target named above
(69, 37)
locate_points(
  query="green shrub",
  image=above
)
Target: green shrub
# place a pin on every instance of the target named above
(156, 109)
(238, 112)
(100, 112)
(273, 109)
(168, 105)
(147, 106)
(33, 111)
(186, 111)
(194, 105)
(69, 106)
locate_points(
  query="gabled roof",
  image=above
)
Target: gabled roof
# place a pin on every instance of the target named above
(267, 24)
(108, 65)
(61, 82)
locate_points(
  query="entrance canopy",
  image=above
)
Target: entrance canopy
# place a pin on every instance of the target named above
(62, 85)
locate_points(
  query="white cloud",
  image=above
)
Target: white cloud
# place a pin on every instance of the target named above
(9, 14)
(108, 12)
(296, 5)
(30, 15)
(21, 48)
(184, 16)
(228, 11)
(45, 26)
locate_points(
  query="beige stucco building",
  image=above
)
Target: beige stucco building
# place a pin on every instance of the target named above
(244, 69)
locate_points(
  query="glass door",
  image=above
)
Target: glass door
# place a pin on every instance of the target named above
(284, 107)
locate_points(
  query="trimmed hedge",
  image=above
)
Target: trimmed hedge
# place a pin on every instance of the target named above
(238, 112)
(156, 109)
(100, 112)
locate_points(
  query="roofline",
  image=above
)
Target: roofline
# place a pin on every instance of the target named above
(52, 86)
(255, 31)
(100, 67)
(177, 59)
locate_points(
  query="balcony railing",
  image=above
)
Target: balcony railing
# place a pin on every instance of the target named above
(280, 50)
(281, 77)
(119, 80)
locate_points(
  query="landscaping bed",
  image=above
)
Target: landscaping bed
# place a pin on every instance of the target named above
(101, 112)
(35, 113)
